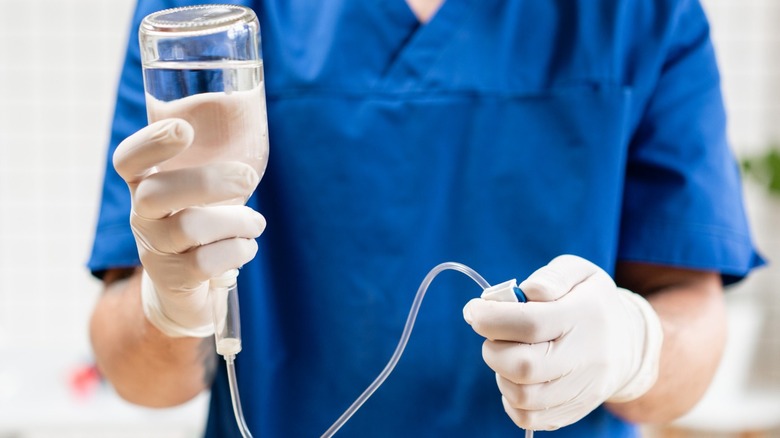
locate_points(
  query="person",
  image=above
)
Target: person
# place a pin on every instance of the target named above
(576, 146)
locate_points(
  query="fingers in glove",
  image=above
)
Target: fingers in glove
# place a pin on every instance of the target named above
(538, 396)
(164, 193)
(547, 419)
(524, 363)
(528, 323)
(197, 226)
(216, 258)
(150, 146)
(557, 278)
(187, 271)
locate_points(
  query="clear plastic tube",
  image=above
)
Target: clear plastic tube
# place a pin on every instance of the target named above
(227, 335)
(235, 399)
(224, 301)
(227, 332)
(407, 332)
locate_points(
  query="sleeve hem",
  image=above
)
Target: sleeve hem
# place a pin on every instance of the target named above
(728, 252)
(114, 247)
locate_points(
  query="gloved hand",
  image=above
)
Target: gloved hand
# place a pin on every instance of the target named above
(578, 342)
(183, 238)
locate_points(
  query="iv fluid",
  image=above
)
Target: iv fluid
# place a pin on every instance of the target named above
(225, 106)
(228, 346)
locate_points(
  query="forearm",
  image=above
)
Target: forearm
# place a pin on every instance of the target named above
(691, 308)
(145, 366)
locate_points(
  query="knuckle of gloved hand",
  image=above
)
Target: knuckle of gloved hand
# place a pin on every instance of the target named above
(256, 222)
(215, 258)
(247, 249)
(235, 177)
(173, 131)
(498, 356)
(243, 222)
(546, 284)
(522, 371)
(537, 329)
(188, 227)
(603, 279)
(516, 395)
(148, 195)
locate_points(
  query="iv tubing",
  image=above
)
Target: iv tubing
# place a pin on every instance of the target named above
(234, 397)
(404, 339)
(229, 329)
(223, 291)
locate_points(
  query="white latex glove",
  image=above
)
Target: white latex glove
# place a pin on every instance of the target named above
(578, 342)
(184, 239)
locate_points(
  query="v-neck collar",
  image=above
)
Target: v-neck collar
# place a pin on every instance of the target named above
(423, 46)
(421, 22)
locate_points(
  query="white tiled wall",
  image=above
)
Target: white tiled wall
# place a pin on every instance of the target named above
(59, 62)
(747, 39)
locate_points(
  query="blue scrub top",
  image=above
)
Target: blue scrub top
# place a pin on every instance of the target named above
(499, 135)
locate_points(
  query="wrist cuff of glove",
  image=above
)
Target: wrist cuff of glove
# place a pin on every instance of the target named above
(154, 313)
(646, 376)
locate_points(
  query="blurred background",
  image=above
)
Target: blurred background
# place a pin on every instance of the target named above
(59, 69)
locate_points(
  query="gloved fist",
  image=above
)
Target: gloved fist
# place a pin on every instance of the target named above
(184, 238)
(578, 342)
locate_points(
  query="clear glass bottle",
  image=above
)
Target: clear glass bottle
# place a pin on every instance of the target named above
(204, 64)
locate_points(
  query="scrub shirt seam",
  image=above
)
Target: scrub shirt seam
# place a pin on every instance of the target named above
(357, 93)
(726, 265)
(434, 61)
(710, 230)
(726, 235)
(729, 267)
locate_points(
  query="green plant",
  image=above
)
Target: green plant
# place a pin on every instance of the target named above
(765, 169)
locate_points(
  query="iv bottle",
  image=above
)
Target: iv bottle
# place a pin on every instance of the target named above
(203, 64)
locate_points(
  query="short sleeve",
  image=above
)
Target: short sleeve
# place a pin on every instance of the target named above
(682, 203)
